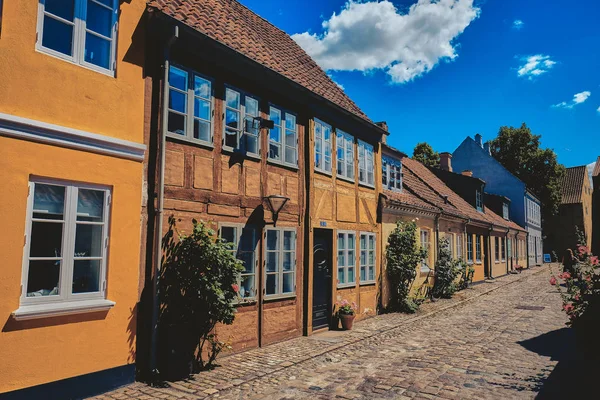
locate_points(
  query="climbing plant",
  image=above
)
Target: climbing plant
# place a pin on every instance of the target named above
(447, 270)
(403, 255)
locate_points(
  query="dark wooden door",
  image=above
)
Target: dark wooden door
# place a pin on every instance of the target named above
(321, 309)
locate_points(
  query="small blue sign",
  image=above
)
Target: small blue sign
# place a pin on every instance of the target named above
(323, 223)
(547, 258)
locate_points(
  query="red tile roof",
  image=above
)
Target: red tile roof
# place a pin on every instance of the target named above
(237, 27)
(571, 185)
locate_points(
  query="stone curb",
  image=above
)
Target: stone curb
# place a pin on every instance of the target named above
(402, 324)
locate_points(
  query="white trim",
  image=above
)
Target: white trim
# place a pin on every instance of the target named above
(321, 168)
(26, 312)
(56, 135)
(367, 281)
(280, 272)
(347, 262)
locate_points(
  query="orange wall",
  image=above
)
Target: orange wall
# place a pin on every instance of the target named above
(43, 350)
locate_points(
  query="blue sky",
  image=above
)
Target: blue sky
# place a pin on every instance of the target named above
(438, 72)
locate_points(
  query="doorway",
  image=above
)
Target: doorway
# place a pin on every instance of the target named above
(322, 273)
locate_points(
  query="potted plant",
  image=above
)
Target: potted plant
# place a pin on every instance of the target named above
(346, 313)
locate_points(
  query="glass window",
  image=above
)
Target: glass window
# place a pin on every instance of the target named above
(425, 245)
(497, 248)
(451, 245)
(505, 211)
(503, 249)
(391, 174)
(66, 242)
(81, 31)
(346, 259)
(280, 262)
(470, 248)
(345, 155)
(459, 247)
(365, 163)
(244, 241)
(283, 138)
(367, 258)
(322, 147)
(241, 124)
(479, 200)
(478, 248)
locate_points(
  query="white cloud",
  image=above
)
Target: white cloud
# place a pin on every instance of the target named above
(578, 98)
(535, 65)
(598, 109)
(518, 24)
(374, 35)
(590, 168)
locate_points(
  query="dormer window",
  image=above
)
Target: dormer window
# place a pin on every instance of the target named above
(391, 174)
(505, 211)
(479, 200)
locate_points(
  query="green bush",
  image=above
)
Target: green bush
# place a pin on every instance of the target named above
(447, 270)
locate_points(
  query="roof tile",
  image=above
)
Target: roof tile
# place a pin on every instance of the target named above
(571, 185)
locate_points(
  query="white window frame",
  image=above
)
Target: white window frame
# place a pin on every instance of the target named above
(239, 229)
(67, 257)
(505, 211)
(241, 133)
(280, 272)
(478, 250)
(479, 200)
(389, 167)
(347, 260)
(367, 266)
(497, 249)
(459, 247)
(503, 249)
(190, 105)
(342, 141)
(321, 166)
(450, 238)
(283, 129)
(470, 249)
(79, 25)
(366, 164)
(425, 238)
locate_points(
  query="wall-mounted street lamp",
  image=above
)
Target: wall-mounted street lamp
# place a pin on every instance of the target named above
(276, 203)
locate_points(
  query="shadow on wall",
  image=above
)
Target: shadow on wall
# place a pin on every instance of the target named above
(14, 325)
(574, 377)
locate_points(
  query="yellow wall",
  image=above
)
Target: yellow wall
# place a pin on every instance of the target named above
(44, 350)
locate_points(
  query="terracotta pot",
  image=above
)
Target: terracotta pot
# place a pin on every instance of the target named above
(347, 321)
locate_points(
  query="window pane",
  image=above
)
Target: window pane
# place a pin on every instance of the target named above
(290, 138)
(61, 8)
(176, 123)
(288, 283)
(201, 87)
(46, 239)
(363, 257)
(202, 108)
(97, 50)
(251, 143)
(341, 276)
(290, 155)
(272, 240)
(178, 78)
(275, 135)
(275, 116)
(341, 259)
(232, 99)
(48, 200)
(274, 151)
(290, 122)
(271, 284)
(372, 242)
(43, 277)
(272, 261)
(363, 241)
(247, 257)
(288, 261)
(341, 241)
(228, 234)
(232, 119)
(351, 276)
(371, 273)
(371, 257)
(88, 240)
(251, 107)
(57, 36)
(202, 130)
(99, 19)
(289, 242)
(247, 287)
(90, 205)
(351, 240)
(231, 138)
(86, 276)
(177, 101)
(351, 258)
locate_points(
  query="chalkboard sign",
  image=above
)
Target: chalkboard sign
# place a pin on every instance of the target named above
(547, 258)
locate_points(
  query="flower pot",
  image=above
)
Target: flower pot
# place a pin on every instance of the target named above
(347, 321)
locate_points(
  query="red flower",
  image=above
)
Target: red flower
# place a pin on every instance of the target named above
(552, 280)
(588, 278)
(568, 307)
(235, 288)
(594, 260)
(583, 250)
(577, 297)
(566, 275)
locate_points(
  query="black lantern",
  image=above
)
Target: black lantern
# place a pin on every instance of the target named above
(276, 203)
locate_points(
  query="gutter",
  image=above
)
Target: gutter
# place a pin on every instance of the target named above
(160, 204)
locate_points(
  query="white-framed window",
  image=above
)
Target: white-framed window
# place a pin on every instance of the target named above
(478, 248)
(367, 258)
(322, 147)
(505, 211)
(503, 249)
(479, 200)
(190, 105)
(425, 244)
(66, 243)
(345, 155)
(83, 32)
(241, 128)
(459, 246)
(470, 248)
(280, 262)
(497, 248)
(450, 238)
(283, 138)
(366, 167)
(244, 242)
(391, 173)
(346, 259)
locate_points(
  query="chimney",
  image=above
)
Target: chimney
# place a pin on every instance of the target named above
(446, 161)
(487, 148)
(479, 140)
(468, 173)
(383, 125)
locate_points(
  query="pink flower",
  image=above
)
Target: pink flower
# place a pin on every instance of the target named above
(583, 250)
(568, 307)
(552, 280)
(566, 275)
(577, 297)
(594, 260)
(354, 305)
(235, 288)
(588, 278)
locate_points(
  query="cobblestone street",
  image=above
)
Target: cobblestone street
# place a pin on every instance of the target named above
(494, 340)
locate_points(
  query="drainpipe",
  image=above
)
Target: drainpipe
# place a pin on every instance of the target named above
(488, 245)
(437, 239)
(160, 202)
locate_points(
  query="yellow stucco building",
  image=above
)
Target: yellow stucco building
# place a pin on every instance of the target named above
(71, 164)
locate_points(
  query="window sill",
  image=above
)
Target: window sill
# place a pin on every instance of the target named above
(323, 172)
(369, 283)
(185, 139)
(278, 297)
(366, 185)
(347, 286)
(282, 164)
(90, 67)
(345, 179)
(35, 311)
